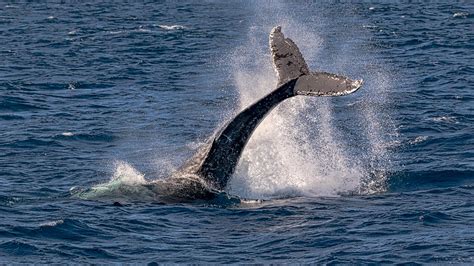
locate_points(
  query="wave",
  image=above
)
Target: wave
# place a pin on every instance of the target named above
(8, 117)
(52, 223)
(446, 119)
(17, 104)
(461, 15)
(18, 248)
(9, 200)
(172, 27)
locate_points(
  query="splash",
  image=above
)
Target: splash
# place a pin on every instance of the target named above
(303, 147)
(379, 135)
(129, 185)
(126, 183)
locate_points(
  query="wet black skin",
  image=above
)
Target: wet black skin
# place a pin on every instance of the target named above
(220, 162)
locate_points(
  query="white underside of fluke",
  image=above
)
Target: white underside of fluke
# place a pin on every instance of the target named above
(290, 64)
(325, 84)
(287, 58)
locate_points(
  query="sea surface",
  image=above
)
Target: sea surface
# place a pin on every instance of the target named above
(99, 98)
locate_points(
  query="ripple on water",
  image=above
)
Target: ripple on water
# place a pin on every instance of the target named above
(18, 248)
(64, 229)
(19, 104)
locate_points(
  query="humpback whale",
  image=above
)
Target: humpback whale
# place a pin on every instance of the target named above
(216, 163)
(207, 173)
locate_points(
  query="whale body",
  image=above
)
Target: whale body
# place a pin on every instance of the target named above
(206, 175)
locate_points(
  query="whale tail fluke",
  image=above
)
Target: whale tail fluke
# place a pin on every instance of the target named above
(325, 84)
(290, 64)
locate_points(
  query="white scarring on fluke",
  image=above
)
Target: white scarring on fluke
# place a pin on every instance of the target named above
(290, 64)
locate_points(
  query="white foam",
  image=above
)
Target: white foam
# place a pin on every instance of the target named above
(52, 223)
(115, 32)
(418, 139)
(446, 119)
(142, 29)
(67, 134)
(172, 27)
(460, 15)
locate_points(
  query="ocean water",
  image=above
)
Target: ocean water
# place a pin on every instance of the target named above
(97, 99)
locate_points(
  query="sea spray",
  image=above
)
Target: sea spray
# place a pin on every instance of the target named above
(126, 183)
(380, 132)
(301, 148)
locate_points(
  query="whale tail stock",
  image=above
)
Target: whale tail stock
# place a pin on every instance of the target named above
(217, 163)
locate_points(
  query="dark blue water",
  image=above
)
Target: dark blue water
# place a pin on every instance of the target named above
(103, 97)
